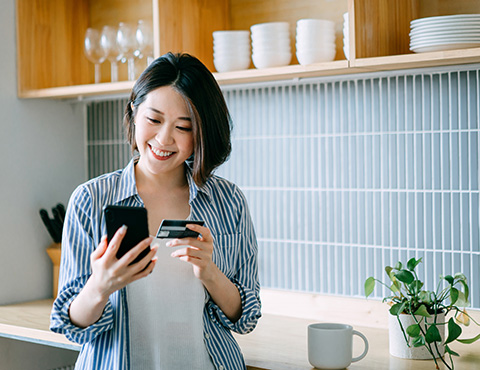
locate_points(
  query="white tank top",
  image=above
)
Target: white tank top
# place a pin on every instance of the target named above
(166, 317)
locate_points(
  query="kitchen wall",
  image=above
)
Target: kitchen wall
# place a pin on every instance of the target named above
(347, 174)
(43, 159)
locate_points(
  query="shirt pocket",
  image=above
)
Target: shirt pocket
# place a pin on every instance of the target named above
(226, 251)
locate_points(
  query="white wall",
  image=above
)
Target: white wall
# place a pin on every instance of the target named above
(42, 152)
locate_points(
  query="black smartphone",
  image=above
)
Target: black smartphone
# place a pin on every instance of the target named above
(176, 229)
(136, 220)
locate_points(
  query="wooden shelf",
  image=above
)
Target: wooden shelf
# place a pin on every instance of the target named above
(378, 38)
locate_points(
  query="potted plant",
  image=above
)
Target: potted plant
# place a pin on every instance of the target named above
(427, 312)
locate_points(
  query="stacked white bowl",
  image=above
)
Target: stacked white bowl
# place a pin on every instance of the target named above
(346, 37)
(231, 50)
(315, 41)
(271, 44)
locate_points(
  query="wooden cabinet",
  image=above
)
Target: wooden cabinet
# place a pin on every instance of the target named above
(50, 35)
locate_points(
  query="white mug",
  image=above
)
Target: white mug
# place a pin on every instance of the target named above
(330, 345)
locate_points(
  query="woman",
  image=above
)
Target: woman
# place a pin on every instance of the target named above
(136, 316)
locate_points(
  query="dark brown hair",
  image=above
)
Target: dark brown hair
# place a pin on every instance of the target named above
(211, 123)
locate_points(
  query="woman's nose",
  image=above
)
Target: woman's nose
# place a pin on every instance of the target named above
(164, 135)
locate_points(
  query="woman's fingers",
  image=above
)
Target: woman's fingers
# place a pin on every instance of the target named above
(133, 253)
(145, 261)
(205, 234)
(100, 250)
(114, 244)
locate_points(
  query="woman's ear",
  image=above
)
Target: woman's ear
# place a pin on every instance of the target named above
(133, 113)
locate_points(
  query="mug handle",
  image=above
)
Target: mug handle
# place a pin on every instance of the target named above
(366, 346)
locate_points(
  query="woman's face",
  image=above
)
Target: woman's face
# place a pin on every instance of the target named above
(163, 132)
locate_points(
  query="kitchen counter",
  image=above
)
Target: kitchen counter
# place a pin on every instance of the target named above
(280, 343)
(280, 340)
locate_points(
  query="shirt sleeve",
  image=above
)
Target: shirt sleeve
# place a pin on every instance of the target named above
(78, 242)
(246, 276)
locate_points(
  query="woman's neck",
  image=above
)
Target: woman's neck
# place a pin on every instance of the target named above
(148, 181)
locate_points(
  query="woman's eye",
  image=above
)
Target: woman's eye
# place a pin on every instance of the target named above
(186, 129)
(153, 121)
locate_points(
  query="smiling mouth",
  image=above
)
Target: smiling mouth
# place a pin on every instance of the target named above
(162, 154)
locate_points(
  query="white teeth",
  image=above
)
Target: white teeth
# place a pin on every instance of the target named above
(161, 153)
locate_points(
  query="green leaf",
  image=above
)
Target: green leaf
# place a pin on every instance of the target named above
(461, 300)
(422, 311)
(424, 296)
(412, 263)
(453, 295)
(449, 279)
(432, 334)
(398, 266)
(397, 309)
(388, 271)
(469, 341)
(416, 285)
(453, 353)
(418, 341)
(405, 276)
(413, 330)
(465, 288)
(454, 331)
(369, 286)
(395, 287)
(460, 276)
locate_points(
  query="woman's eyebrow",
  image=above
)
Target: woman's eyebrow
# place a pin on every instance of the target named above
(161, 113)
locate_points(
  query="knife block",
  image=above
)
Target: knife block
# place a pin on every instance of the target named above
(54, 251)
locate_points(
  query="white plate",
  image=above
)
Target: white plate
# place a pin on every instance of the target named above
(445, 19)
(465, 26)
(440, 47)
(445, 41)
(442, 31)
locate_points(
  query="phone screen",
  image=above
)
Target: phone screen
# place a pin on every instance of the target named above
(136, 220)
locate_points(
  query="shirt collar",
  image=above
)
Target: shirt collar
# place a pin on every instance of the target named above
(127, 186)
(194, 188)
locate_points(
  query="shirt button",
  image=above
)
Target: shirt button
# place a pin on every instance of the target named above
(207, 336)
(220, 367)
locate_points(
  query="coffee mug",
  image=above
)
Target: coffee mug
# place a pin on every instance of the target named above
(330, 345)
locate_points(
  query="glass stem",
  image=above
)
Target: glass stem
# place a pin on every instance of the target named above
(114, 72)
(97, 73)
(131, 69)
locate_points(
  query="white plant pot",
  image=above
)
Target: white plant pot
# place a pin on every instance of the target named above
(398, 346)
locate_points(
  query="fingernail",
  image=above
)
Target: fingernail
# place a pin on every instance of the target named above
(124, 228)
(169, 244)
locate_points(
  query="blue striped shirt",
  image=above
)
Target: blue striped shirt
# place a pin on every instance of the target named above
(105, 344)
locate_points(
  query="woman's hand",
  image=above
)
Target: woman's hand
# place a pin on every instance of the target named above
(109, 274)
(199, 253)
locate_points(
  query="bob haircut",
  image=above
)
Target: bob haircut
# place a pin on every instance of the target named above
(211, 122)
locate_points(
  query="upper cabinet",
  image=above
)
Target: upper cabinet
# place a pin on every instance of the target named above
(50, 38)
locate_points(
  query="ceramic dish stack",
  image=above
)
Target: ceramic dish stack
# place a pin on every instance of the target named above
(315, 41)
(346, 37)
(445, 33)
(271, 44)
(231, 50)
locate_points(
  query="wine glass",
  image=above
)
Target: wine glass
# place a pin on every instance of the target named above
(94, 51)
(127, 44)
(108, 40)
(144, 41)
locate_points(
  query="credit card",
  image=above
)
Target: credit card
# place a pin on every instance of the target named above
(175, 229)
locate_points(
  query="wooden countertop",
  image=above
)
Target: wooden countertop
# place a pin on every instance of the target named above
(280, 341)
